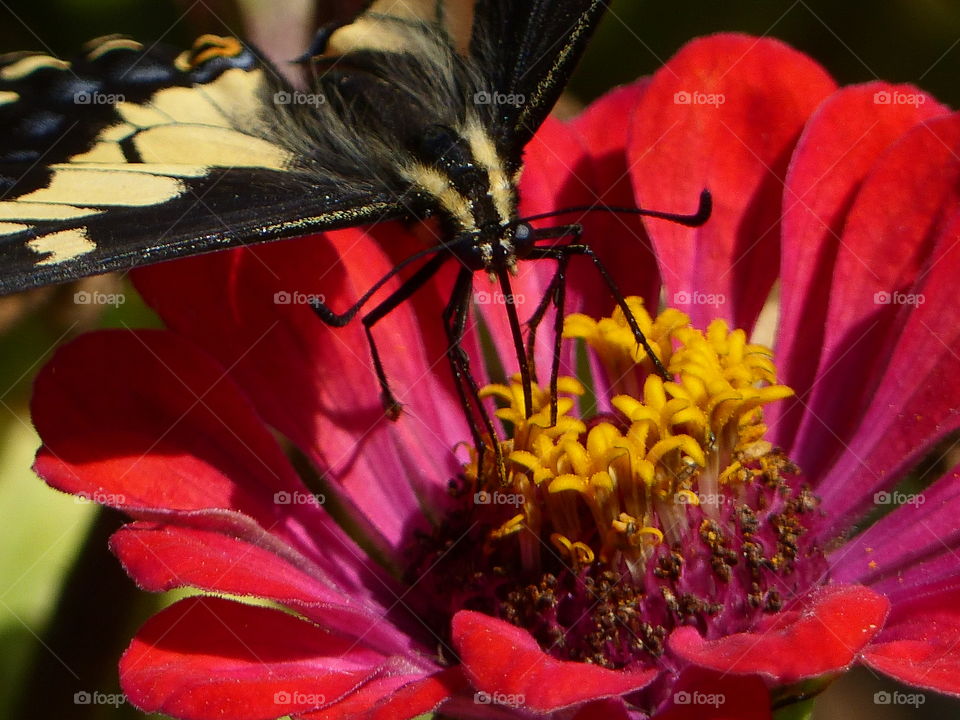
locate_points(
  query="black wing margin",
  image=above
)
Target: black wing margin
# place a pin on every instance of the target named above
(130, 156)
(528, 49)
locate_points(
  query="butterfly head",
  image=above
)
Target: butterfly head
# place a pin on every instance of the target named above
(495, 247)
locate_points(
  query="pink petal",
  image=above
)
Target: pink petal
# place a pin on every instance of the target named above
(212, 658)
(914, 405)
(314, 383)
(163, 557)
(888, 246)
(914, 545)
(748, 101)
(826, 636)
(503, 659)
(920, 645)
(840, 144)
(145, 422)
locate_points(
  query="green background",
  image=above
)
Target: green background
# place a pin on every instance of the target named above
(54, 641)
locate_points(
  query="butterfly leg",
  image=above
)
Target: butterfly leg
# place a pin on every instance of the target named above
(560, 251)
(555, 295)
(407, 288)
(455, 321)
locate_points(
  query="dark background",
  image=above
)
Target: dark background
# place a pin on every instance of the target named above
(914, 41)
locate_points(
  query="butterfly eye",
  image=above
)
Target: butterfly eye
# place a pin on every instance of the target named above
(523, 236)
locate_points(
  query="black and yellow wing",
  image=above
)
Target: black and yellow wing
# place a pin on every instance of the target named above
(528, 50)
(132, 155)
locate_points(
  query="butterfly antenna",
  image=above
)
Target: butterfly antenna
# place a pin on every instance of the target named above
(700, 217)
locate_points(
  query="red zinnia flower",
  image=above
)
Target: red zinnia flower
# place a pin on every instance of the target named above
(395, 594)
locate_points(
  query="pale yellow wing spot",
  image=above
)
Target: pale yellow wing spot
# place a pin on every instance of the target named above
(141, 116)
(17, 210)
(186, 105)
(118, 132)
(237, 95)
(175, 171)
(62, 246)
(75, 185)
(379, 30)
(7, 97)
(102, 152)
(7, 228)
(218, 147)
(30, 64)
(101, 46)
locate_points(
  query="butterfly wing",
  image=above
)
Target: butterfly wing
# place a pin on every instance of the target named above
(129, 156)
(528, 49)
(522, 51)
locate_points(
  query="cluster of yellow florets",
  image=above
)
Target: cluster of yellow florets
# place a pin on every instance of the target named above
(674, 444)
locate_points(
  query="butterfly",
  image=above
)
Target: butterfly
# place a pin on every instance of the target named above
(131, 155)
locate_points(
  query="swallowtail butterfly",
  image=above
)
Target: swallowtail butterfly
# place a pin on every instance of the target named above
(132, 155)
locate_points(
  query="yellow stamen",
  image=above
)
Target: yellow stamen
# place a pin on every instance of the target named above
(627, 485)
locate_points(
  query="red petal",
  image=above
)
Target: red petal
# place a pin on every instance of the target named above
(147, 423)
(212, 658)
(505, 661)
(395, 698)
(724, 697)
(315, 383)
(920, 644)
(621, 241)
(839, 145)
(685, 139)
(162, 558)
(140, 417)
(886, 247)
(790, 646)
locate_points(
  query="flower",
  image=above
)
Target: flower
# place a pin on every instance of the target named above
(737, 568)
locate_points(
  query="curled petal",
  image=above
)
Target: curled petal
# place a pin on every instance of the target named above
(827, 636)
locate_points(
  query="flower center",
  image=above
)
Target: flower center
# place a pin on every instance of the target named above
(667, 509)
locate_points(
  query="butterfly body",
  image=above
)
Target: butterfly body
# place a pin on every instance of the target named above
(132, 155)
